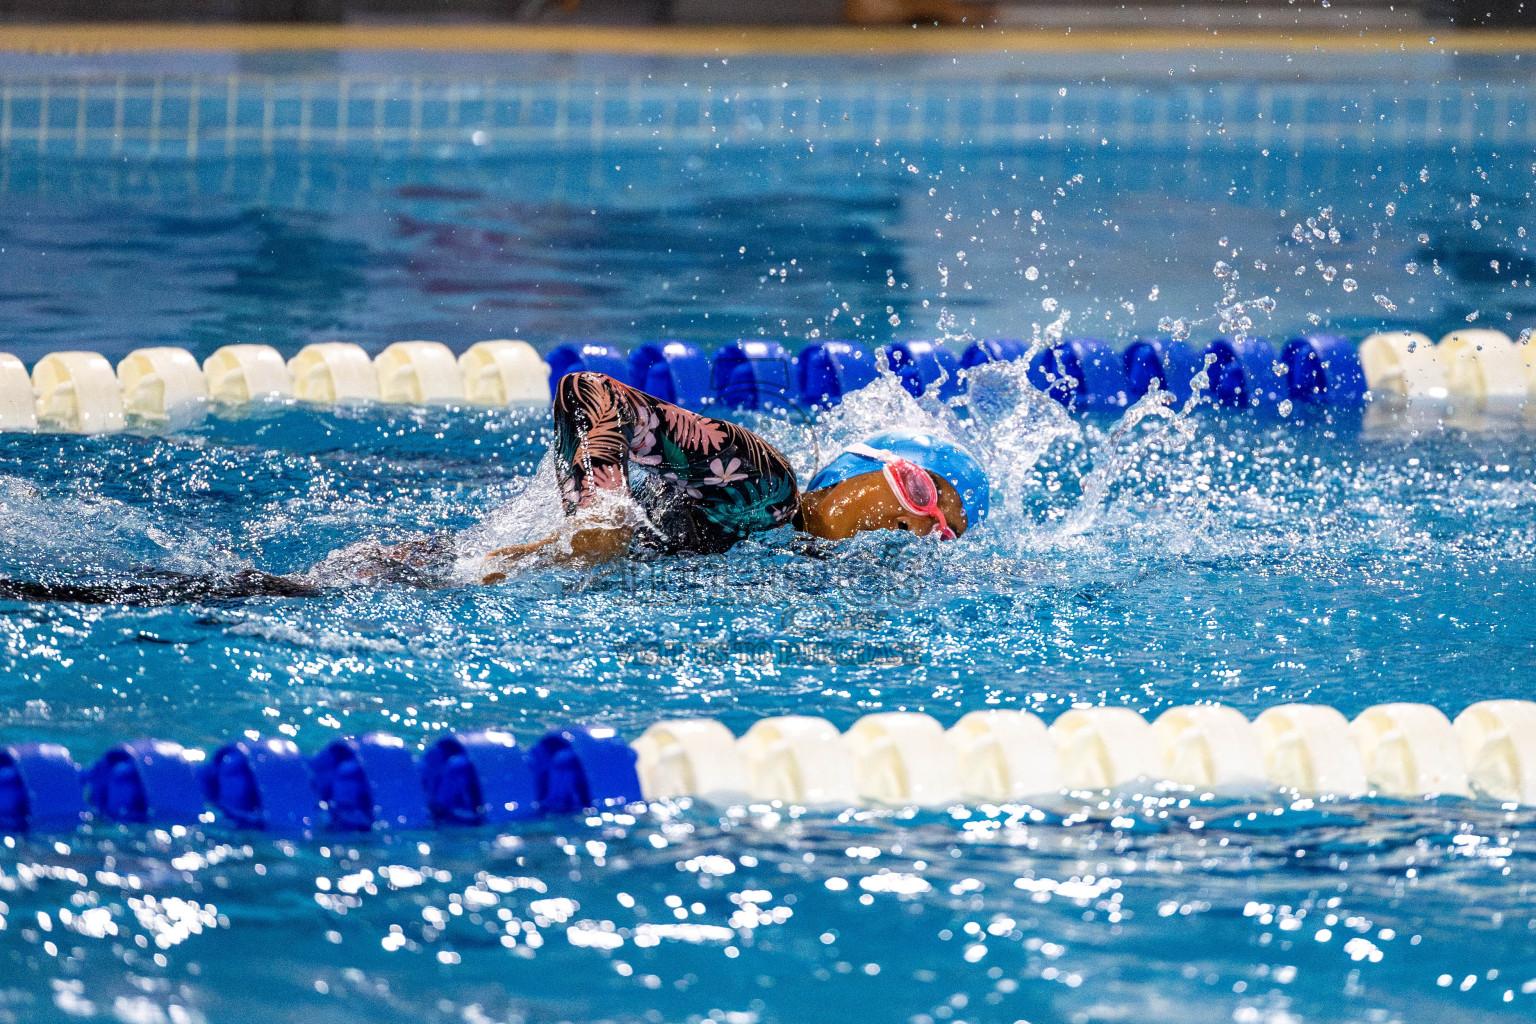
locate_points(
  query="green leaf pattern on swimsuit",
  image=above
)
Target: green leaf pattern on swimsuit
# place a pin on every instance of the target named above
(746, 506)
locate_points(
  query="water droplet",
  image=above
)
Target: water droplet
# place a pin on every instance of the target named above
(1031, 273)
(1177, 327)
(1350, 284)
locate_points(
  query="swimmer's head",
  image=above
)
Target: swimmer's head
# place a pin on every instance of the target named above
(850, 494)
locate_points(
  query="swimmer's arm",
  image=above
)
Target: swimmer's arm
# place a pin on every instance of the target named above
(592, 544)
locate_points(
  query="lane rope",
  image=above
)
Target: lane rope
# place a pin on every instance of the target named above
(893, 759)
(164, 388)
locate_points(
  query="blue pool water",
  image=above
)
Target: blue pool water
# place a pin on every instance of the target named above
(1211, 557)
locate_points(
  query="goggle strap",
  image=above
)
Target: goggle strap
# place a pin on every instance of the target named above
(879, 454)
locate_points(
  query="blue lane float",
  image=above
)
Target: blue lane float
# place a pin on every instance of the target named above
(581, 356)
(825, 371)
(1170, 364)
(1324, 369)
(920, 364)
(673, 371)
(145, 781)
(354, 784)
(579, 767)
(992, 350)
(1083, 374)
(752, 375)
(39, 789)
(479, 778)
(261, 784)
(369, 782)
(1242, 374)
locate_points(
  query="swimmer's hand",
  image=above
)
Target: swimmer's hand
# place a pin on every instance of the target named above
(590, 545)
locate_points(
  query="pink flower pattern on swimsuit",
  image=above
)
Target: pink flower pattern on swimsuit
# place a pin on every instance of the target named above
(682, 485)
(643, 448)
(726, 474)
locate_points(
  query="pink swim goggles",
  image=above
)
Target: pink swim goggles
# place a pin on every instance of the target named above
(911, 484)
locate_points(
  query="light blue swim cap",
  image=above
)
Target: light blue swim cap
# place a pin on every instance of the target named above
(939, 457)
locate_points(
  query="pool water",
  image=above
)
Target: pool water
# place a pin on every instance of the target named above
(878, 200)
(1149, 560)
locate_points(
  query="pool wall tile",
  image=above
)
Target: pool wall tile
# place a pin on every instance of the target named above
(213, 117)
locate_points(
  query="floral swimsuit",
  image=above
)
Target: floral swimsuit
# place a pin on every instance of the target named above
(709, 483)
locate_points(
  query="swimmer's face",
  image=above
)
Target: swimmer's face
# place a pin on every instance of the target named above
(866, 502)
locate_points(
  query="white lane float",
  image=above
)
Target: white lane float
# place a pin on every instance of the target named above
(504, 372)
(1003, 756)
(333, 371)
(77, 393)
(244, 373)
(799, 759)
(419, 373)
(1498, 741)
(1484, 367)
(162, 386)
(1101, 748)
(1525, 348)
(1208, 745)
(18, 405)
(901, 758)
(1403, 365)
(1410, 750)
(691, 757)
(1308, 748)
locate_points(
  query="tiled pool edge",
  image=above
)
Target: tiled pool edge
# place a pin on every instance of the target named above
(736, 40)
(198, 117)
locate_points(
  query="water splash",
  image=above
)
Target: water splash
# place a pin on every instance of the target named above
(1129, 444)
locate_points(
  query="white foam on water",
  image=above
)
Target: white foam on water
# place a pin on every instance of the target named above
(93, 531)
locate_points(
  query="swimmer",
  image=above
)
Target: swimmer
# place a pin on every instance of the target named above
(705, 484)
(708, 483)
